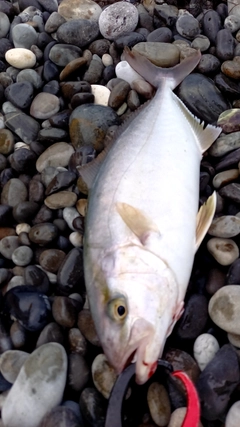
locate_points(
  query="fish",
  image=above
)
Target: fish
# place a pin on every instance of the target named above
(143, 226)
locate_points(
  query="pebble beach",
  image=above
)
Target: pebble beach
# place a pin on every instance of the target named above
(65, 90)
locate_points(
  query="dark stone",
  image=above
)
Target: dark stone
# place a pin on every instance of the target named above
(5, 45)
(37, 148)
(79, 32)
(162, 34)
(37, 278)
(23, 160)
(70, 88)
(23, 4)
(233, 275)
(4, 384)
(51, 259)
(52, 135)
(228, 160)
(94, 71)
(43, 40)
(78, 224)
(43, 234)
(99, 47)
(3, 162)
(7, 8)
(194, 318)
(93, 407)
(32, 309)
(51, 333)
(61, 119)
(227, 85)
(202, 97)
(129, 40)
(225, 44)
(25, 211)
(81, 156)
(65, 311)
(23, 125)
(211, 25)
(60, 181)
(108, 73)
(62, 54)
(60, 416)
(44, 215)
(50, 71)
(20, 94)
(18, 335)
(5, 215)
(48, 5)
(208, 64)
(52, 87)
(217, 382)
(70, 273)
(81, 98)
(36, 191)
(78, 372)
(119, 94)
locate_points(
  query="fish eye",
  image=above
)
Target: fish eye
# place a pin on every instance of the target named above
(117, 309)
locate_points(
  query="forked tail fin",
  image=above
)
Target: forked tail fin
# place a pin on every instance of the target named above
(155, 75)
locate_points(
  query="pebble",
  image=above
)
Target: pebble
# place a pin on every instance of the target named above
(50, 333)
(93, 407)
(24, 36)
(62, 54)
(6, 141)
(38, 388)
(31, 76)
(60, 416)
(11, 362)
(187, 26)
(204, 349)
(231, 191)
(162, 34)
(177, 418)
(51, 259)
(20, 58)
(13, 192)
(23, 125)
(101, 94)
(159, 404)
(8, 245)
(232, 23)
(223, 308)
(227, 85)
(211, 25)
(79, 32)
(224, 144)
(76, 239)
(202, 97)
(231, 68)
(56, 155)
(208, 64)
(118, 19)
(225, 226)
(4, 24)
(103, 375)
(43, 233)
(223, 372)
(22, 256)
(72, 66)
(233, 414)
(234, 340)
(225, 251)
(225, 177)
(44, 106)
(233, 275)
(160, 54)
(61, 200)
(225, 44)
(34, 276)
(193, 320)
(79, 9)
(201, 42)
(87, 328)
(70, 273)
(229, 120)
(78, 372)
(77, 342)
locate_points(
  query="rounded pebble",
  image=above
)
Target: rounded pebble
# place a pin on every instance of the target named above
(159, 404)
(225, 251)
(118, 19)
(103, 375)
(20, 58)
(204, 349)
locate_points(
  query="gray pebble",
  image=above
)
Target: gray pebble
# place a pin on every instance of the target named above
(29, 75)
(56, 155)
(79, 32)
(62, 54)
(24, 36)
(44, 106)
(8, 245)
(187, 26)
(22, 256)
(14, 192)
(4, 24)
(11, 362)
(118, 19)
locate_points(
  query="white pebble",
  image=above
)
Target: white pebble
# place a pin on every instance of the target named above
(101, 94)
(21, 145)
(69, 214)
(23, 228)
(126, 72)
(204, 349)
(20, 58)
(233, 415)
(234, 339)
(118, 19)
(76, 239)
(225, 251)
(122, 109)
(2, 122)
(107, 59)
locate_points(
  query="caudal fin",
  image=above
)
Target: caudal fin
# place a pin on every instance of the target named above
(155, 75)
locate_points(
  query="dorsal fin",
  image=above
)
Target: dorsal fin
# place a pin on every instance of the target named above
(205, 137)
(204, 218)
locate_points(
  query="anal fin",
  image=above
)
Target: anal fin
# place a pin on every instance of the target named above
(204, 218)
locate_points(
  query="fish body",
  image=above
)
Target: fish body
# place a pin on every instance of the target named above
(141, 224)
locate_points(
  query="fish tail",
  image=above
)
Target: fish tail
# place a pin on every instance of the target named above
(155, 75)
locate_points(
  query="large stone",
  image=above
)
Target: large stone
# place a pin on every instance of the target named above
(224, 308)
(56, 155)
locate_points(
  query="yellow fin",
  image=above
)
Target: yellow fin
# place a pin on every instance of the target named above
(137, 221)
(204, 218)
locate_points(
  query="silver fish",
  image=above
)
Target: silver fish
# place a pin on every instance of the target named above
(142, 228)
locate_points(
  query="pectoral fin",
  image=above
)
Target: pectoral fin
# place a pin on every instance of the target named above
(141, 225)
(204, 218)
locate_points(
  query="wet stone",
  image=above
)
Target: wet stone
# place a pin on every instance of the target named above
(93, 130)
(93, 406)
(229, 120)
(61, 200)
(60, 119)
(37, 278)
(44, 106)
(25, 211)
(60, 416)
(43, 234)
(194, 318)
(159, 404)
(204, 349)
(225, 44)
(22, 256)
(51, 259)
(227, 85)
(78, 372)
(62, 54)
(223, 372)
(44, 215)
(211, 25)
(24, 36)
(231, 191)
(13, 192)
(23, 160)
(202, 97)
(52, 332)
(51, 135)
(163, 34)
(11, 363)
(50, 73)
(187, 26)
(23, 125)
(6, 142)
(117, 20)
(65, 311)
(77, 342)
(208, 64)
(44, 372)
(161, 54)
(30, 308)
(231, 68)
(79, 32)
(70, 273)
(56, 155)
(225, 251)
(87, 328)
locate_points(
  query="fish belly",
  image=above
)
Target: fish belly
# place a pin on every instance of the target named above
(153, 166)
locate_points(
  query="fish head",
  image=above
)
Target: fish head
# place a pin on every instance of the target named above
(135, 308)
